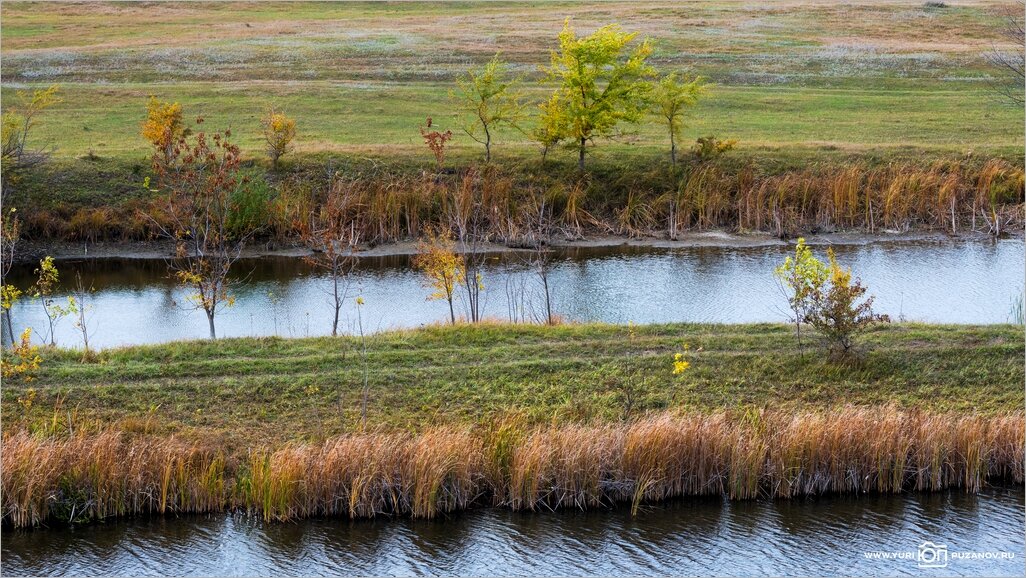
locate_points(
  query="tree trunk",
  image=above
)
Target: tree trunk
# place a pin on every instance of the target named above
(580, 154)
(10, 326)
(210, 321)
(338, 305)
(488, 146)
(548, 300)
(452, 312)
(673, 150)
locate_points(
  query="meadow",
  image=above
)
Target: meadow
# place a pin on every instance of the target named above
(880, 80)
(255, 390)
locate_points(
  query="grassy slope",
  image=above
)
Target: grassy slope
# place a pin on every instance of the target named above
(877, 76)
(278, 389)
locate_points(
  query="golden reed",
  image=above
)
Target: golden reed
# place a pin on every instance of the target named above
(509, 464)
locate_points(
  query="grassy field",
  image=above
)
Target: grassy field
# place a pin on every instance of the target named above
(870, 77)
(245, 391)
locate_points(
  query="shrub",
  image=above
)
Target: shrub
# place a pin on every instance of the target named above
(279, 132)
(23, 362)
(839, 312)
(709, 147)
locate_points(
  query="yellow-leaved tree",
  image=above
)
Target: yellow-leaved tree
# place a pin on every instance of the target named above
(489, 99)
(163, 126)
(279, 132)
(438, 260)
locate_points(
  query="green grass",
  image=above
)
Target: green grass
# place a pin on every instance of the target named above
(876, 78)
(284, 389)
(384, 118)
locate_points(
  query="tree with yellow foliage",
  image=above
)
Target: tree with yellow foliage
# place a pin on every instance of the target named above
(163, 126)
(279, 132)
(438, 260)
(602, 83)
(672, 96)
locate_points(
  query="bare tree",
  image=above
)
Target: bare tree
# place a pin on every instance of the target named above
(542, 254)
(334, 239)
(466, 217)
(81, 309)
(1011, 63)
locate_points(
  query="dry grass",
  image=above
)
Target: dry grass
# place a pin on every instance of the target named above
(747, 455)
(388, 207)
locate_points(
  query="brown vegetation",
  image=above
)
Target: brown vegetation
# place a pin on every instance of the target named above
(740, 455)
(386, 206)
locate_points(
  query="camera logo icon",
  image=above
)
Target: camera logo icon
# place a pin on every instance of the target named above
(933, 555)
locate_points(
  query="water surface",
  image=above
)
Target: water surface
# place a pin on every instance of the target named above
(821, 536)
(934, 281)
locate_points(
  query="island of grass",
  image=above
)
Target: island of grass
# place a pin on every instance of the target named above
(518, 416)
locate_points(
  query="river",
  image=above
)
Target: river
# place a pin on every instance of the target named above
(934, 281)
(843, 535)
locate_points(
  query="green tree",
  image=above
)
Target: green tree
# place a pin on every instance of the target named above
(551, 127)
(489, 98)
(672, 95)
(602, 83)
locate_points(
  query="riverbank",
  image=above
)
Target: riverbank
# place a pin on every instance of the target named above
(32, 251)
(524, 417)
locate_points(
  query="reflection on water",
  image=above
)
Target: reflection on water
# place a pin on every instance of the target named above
(821, 536)
(135, 302)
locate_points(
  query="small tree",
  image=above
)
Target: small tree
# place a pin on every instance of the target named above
(542, 254)
(437, 259)
(48, 277)
(467, 218)
(78, 305)
(838, 311)
(279, 132)
(334, 239)
(10, 232)
(15, 124)
(164, 127)
(602, 82)
(23, 361)
(801, 277)
(672, 96)
(199, 180)
(551, 127)
(19, 120)
(436, 141)
(489, 99)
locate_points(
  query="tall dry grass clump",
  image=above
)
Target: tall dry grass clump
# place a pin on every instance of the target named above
(96, 476)
(740, 455)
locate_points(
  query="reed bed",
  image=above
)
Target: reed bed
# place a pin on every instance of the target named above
(952, 196)
(739, 455)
